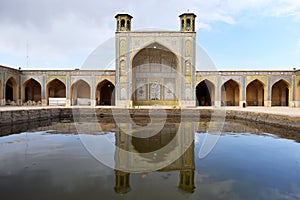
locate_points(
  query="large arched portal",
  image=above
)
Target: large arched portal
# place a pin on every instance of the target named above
(11, 90)
(56, 89)
(255, 94)
(81, 93)
(105, 93)
(154, 77)
(31, 91)
(280, 93)
(230, 94)
(205, 93)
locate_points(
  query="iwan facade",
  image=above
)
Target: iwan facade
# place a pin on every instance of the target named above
(152, 68)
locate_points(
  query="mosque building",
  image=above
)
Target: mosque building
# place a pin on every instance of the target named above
(151, 68)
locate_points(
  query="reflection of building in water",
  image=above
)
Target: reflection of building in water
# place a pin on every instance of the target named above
(186, 182)
(122, 181)
(171, 149)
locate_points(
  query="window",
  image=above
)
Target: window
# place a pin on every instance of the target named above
(128, 25)
(122, 23)
(193, 25)
(188, 23)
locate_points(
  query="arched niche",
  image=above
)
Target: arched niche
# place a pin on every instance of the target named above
(205, 93)
(255, 93)
(11, 90)
(105, 93)
(154, 76)
(280, 93)
(81, 93)
(31, 91)
(230, 93)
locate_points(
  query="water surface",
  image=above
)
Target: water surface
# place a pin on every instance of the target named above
(51, 162)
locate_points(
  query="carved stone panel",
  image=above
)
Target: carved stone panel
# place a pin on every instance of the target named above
(123, 93)
(188, 48)
(141, 89)
(123, 67)
(122, 48)
(155, 91)
(188, 93)
(169, 92)
(187, 70)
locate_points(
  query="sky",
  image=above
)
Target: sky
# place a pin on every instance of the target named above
(237, 35)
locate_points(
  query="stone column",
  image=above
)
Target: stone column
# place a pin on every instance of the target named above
(93, 101)
(68, 89)
(2, 100)
(44, 99)
(268, 102)
(19, 101)
(243, 92)
(293, 102)
(218, 92)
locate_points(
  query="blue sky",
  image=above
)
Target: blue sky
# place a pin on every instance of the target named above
(259, 43)
(237, 35)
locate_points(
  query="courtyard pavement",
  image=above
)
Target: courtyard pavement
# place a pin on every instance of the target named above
(295, 112)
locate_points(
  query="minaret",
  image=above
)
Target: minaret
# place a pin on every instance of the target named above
(187, 22)
(123, 22)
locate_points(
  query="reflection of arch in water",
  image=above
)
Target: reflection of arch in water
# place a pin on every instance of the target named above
(230, 93)
(81, 93)
(205, 93)
(31, 91)
(11, 90)
(105, 93)
(155, 142)
(280, 93)
(255, 93)
(185, 164)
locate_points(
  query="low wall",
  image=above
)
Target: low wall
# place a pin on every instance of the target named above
(277, 120)
(10, 117)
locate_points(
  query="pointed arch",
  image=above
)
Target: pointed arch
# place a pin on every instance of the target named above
(50, 79)
(11, 90)
(31, 77)
(105, 93)
(81, 93)
(156, 45)
(205, 93)
(255, 93)
(31, 90)
(280, 93)
(230, 93)
(154, 76)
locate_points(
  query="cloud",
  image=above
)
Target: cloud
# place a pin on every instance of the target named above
(56, 30)
(203, 26)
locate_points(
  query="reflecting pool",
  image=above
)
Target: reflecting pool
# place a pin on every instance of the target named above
(53, 161)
